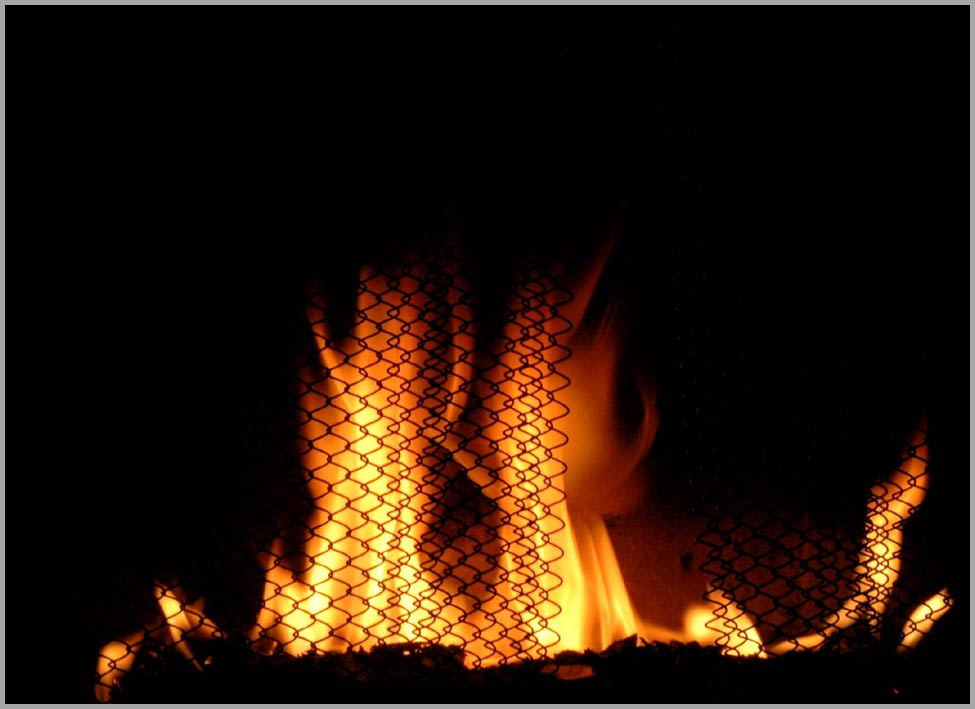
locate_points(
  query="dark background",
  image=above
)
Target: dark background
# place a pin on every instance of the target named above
(793, 196)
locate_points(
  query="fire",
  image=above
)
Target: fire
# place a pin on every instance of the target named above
(412, 407)
(177, 621)
(396, 413)
(723, 622)
(922, 620)
(891, 504)
(115, 660)
(389, 419)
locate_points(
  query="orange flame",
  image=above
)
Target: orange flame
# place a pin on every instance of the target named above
(891, 504)
(401, 406)
(922, 620)
(723, 622)
(373, 423)
(178, 621)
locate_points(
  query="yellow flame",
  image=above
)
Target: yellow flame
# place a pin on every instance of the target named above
(180, 620)
(723, 622)
(183, 620)
(115, 660)
(922, 620)
(892, 503)
(400, 407)
(371, 426)
(879, 562)
(387, 421)
(541, 458)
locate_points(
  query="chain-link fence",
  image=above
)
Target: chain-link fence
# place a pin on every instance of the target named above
(413, 501)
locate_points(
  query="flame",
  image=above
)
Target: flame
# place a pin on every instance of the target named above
(892, 502)
(371, 426)
(396, 410)
(723, 622)
(179, 621)
(184, 620)
(115, 660)
(879, 561)
(387, 417)
(922, 620)
(403, 407)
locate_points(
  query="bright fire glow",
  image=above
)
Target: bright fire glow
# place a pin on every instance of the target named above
(115, 660)
(377, 422)
(401, 406)
(178, 620)
(184, 620)
(722, 622)
(922, 620)
(891, 504)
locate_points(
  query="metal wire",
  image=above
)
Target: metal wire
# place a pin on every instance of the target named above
(810, 586)
(422, 492)
(428, 443)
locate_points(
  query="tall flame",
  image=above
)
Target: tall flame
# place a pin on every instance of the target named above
(891, 504)
(386, 412)
(410, 402)
(370, 428)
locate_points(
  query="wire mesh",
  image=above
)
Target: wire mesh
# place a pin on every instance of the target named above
(431, 466)
(417, 502)
(811, 586)
(416, 495)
